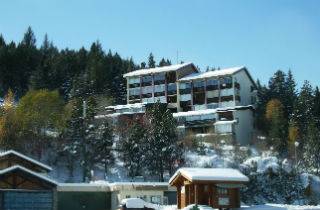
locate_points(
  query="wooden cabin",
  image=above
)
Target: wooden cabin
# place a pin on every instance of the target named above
(215, 187)
(24, 184)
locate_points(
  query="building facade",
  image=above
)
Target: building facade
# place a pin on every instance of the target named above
(219, 102)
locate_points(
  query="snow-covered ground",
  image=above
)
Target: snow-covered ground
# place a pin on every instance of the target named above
(280, 207)
(139, 203)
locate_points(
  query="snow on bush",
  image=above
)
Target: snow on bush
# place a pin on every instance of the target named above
(262, 164)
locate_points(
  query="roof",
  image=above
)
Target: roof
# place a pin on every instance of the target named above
(216, 73)
(210, 111)
(12, 152)
(102, 185)
(126, 106)
(158, 70)
(210, 174)
(21, 168)
(195, 113)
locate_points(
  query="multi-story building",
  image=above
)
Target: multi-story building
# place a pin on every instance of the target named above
(213, 103)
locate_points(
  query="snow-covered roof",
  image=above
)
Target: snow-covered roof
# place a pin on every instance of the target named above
(209, 111)
(12, 152)
(218, 73)
(225, 122)
(127, 106)
(18, 167)
(209, 74)
(210, 174)
(102, 185)
(195, 113)
(157, 70)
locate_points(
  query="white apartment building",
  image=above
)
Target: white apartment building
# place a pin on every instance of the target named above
(219, 102)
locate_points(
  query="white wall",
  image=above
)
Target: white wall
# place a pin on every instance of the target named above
(244, 126)
(245, 87)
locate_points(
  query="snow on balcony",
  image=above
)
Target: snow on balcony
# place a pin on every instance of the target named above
(227, 92)
(222, 127)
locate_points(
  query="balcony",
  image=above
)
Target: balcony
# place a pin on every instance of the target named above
(227, 92)
(224, 127)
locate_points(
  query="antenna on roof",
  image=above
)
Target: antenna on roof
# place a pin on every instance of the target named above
(177, 57)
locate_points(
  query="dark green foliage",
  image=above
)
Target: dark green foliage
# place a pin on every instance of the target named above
(85, 140)
(281, 187)
(303, 111)
(24, 66)
(163, 151)
(151, 61)
(263, 98)
(131, 147)
(311, 154)
(164, 62)
(316, 108)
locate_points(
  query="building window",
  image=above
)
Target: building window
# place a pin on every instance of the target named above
(212, 84)
(213, 100)
(224, 201)
(199, 98)
(237, 85)
(206, 188)
(147, 95)
(146, 80)
(226, 115)
(198, 86)
(172, 89)
(159, 79)
(185, 106)
(171, 77)
(226, 82)
(226, 98)
(185, 88)
(222, 191)
(156, 199)
(172, 99)
(159, 94)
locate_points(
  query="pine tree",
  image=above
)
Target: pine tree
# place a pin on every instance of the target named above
(85, 140)
(164, 62)
(317, 106)
(163, 149)
(132, 149)
(262, 100)
(151, 61)
(42, 77)
(290, 94)
(27, 58)
(2, 41)
(96, 67)
(303, 111)
(311, 148)
(143, 65)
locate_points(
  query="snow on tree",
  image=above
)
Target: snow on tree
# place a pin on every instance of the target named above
(131, 148)
(162, 150)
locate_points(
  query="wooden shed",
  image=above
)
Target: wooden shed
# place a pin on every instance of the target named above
(215, 187)
(24, 184)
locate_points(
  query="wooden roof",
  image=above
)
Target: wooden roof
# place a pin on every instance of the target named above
(8, 154)
(19, 177)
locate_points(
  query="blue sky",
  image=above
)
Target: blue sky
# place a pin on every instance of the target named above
(263, 35)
